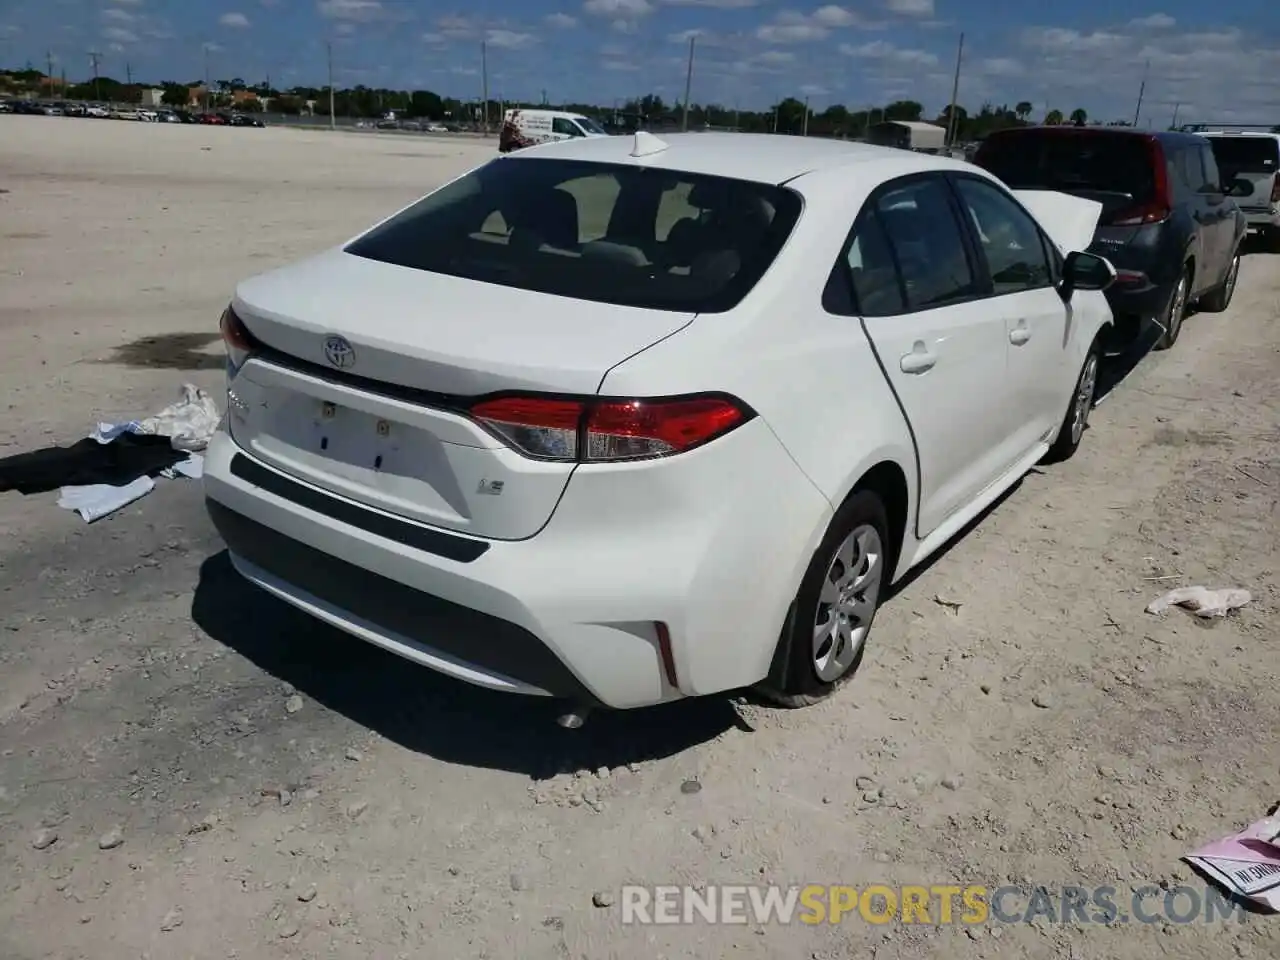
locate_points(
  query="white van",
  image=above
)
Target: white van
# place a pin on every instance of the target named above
(1254, 158)
(524, 128)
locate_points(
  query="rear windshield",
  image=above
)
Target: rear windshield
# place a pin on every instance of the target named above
(1070, 161)
(620, 234)
(1246, 154)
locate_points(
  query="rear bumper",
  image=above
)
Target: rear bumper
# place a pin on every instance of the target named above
(712, 544)
(1143, 300)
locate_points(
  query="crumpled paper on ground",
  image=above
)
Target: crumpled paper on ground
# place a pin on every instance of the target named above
(189, 423)
(1246, 864)
(1202, 601)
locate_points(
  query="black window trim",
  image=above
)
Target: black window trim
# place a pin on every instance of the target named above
(838, 296)
(1048, 249)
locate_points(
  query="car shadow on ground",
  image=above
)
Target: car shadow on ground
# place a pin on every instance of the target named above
(1256, 245)
(427, 712)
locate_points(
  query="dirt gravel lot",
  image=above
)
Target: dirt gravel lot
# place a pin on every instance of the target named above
(1046, 731)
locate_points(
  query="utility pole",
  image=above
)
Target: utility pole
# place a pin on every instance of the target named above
(207, 89)
(688, 85)
(484, 83)
(544, 96)
(333, 117)
(94, 57)
(804, 131)
(1137, 113)
(1176, 108)
(953, 122)
(128, 74)
(49, 60)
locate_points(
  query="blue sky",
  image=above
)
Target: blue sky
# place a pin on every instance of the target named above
(1218, 60)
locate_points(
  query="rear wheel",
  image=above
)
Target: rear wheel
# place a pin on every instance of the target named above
(1219, 298)
(1175, 312)
(1076, 420)
(826, 632)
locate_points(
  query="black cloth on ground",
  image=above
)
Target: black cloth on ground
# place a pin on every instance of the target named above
(121, 461)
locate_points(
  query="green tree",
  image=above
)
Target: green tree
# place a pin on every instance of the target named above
(1079, 117)
(175, 95)
(1023, 110)
(906, 110)
(1053, 118)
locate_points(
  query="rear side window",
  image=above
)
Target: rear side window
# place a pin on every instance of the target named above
(618, 234)
(1236, 155)
(1071, 160)
(907, 252)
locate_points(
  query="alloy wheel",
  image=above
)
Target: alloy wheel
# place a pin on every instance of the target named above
(1083, 404)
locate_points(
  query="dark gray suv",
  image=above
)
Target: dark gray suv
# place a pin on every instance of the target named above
(1169, 224)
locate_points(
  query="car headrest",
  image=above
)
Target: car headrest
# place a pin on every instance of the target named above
(551, 215)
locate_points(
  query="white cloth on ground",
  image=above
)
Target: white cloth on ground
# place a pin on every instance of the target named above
(97, 500)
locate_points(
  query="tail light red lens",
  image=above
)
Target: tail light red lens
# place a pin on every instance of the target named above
(1160, 207)
(239, 342)
(590, 430)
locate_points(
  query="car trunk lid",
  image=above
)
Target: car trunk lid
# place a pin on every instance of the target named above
(367, 371)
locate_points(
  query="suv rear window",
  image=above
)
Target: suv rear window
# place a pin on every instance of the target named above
(1070, 160)
(1246, 154)
(612, 233)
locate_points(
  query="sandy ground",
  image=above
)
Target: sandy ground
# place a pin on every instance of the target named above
(1047, 731)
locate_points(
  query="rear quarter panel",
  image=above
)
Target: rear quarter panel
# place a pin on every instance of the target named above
(810, 375)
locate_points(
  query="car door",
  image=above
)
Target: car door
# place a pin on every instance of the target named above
(564, 129)
(1224, 210)
(1014, 251)
(1206, 209)
(923, 306)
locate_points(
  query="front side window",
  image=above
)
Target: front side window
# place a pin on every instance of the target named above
(1009, 238)
(565, 127)
(589, 125)
(619, 234)
(1212, 177)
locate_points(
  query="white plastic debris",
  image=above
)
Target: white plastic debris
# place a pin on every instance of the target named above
(97, 500)
(1202, 601)
(189, 423)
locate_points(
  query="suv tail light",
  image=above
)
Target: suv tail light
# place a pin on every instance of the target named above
(608, 430)
(240, 343)
(1160, 206)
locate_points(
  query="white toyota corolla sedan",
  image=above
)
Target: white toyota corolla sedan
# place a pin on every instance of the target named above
(625, 420)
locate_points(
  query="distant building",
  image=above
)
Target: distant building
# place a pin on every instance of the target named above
(152, 97)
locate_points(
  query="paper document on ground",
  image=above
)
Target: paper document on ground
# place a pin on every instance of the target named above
(1246, 863)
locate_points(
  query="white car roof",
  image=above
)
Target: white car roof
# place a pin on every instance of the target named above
(1239, 133)
(763, 158)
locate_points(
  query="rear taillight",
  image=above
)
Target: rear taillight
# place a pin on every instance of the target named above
(590, 430)
(239, 342)
(1160, 207)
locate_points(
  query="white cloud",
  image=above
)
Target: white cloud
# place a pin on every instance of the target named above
(117, 16)
(715, 4)
(814, 90)
(128, 3)
(510, 39)
(625, 10)
(911, 8)
(792, 26)
(620, 66)
(120, 35)
(237, 21)
(884, 52)
(561, 21)
(1157, 21)
(435, 39)
(361, 10)
(776, 57)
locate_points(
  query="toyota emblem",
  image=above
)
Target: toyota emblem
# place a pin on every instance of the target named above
(339, 352)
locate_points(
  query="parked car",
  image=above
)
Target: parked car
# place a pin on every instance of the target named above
(1168, 223)
(244, 120)
(1253, 158)
(684, 457)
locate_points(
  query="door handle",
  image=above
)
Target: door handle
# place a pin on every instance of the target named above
(1019, 334)
(920, 360)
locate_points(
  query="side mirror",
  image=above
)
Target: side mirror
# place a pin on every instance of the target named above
(1085, 271)
(1239, 187)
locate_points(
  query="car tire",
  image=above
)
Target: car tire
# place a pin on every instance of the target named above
(1219, 298)
(825, 636)
(1076, 420)
(1176, 312)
